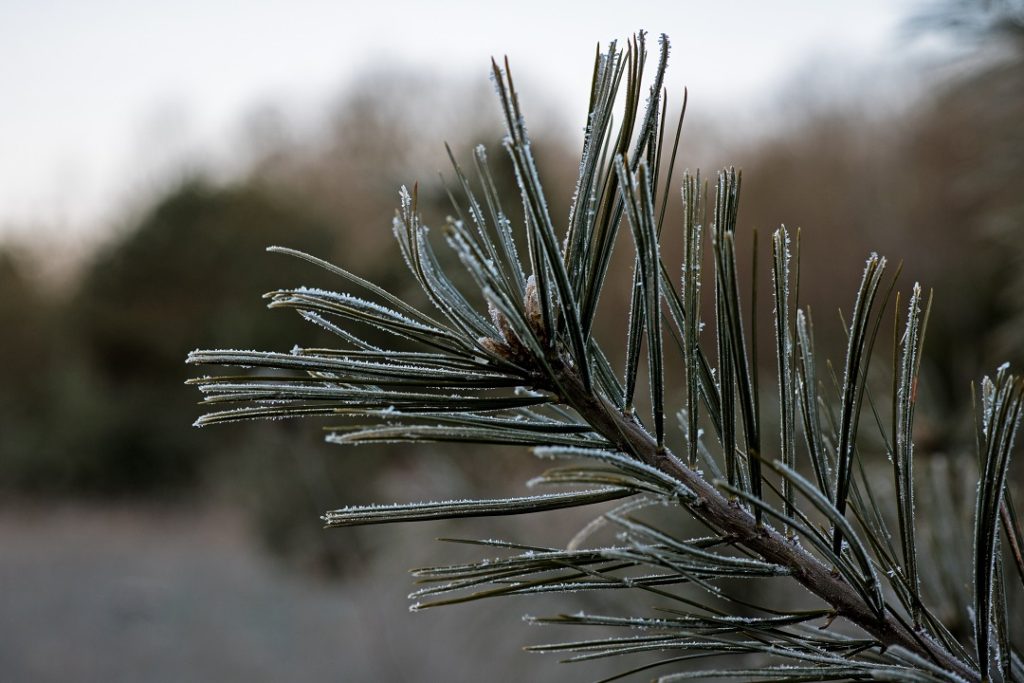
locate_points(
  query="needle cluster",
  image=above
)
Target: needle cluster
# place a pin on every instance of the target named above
(513, 359)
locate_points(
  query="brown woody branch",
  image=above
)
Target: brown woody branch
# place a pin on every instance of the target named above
(732, 520)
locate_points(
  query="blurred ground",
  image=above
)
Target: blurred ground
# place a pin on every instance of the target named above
(182, 593)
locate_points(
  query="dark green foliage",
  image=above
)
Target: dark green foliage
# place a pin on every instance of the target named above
(86, 411)
(508, 356)
(28, 320)
(148, 299)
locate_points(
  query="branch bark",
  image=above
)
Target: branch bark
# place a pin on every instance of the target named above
(717, 511)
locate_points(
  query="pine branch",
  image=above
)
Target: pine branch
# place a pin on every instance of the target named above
(529, 371)
(740, 526)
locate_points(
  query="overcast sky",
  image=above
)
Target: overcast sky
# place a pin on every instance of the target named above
(99, 93)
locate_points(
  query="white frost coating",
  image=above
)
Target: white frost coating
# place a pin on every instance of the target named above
(346, 298)
(460, 505)
(629, 465)
(988, 395)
